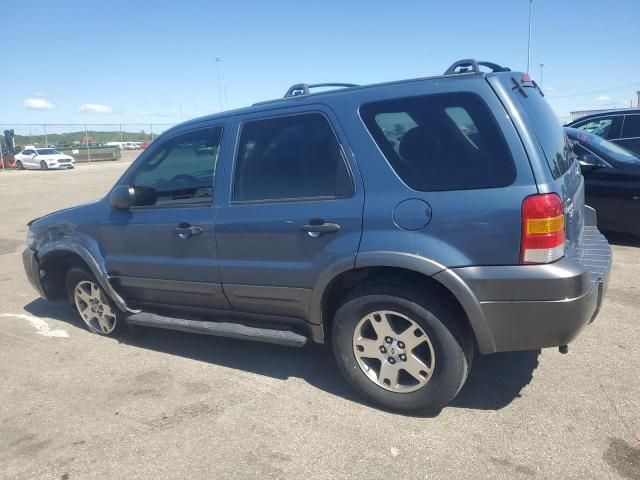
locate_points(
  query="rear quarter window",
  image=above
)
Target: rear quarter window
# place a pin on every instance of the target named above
(441, 142)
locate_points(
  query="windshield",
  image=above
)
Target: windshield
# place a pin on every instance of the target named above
(606, 148)
(47, 151)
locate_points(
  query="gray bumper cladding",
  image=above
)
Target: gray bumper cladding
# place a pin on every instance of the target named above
(537, 306)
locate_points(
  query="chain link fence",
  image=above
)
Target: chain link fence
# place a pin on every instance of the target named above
(85, 141)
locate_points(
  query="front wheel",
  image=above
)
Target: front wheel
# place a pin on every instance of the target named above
(92, 303)
(43, 165)
(402, 347)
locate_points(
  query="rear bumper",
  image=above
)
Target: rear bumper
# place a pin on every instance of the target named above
(537, 306)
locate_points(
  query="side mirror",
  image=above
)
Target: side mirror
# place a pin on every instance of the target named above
(589, 162)
(122, 197)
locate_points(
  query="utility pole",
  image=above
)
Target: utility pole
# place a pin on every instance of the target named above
(529, 44)
(541, 67)
(638, 101)
(218, 60)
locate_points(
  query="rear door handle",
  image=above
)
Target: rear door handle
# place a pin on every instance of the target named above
(317, 229)
(184, 230)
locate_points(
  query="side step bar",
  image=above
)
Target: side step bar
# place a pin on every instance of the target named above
(221, 329)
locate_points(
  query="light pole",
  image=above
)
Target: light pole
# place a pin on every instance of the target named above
(541, 67)
(218, 60)
(529, 44)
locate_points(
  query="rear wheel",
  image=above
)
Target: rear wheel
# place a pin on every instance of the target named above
(92, 303)
(401, 347)
(43, 165)
(19, 165)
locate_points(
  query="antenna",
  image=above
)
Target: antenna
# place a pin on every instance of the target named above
(218, 60)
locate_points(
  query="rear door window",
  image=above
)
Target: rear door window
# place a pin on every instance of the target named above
(288, 158)
(441, 142)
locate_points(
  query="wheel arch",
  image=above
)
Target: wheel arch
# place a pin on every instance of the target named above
(406, 267)
(55, 260)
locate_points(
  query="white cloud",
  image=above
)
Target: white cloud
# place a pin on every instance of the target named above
(40, 93)
(603, 98)
(95, 108)
(37, 104)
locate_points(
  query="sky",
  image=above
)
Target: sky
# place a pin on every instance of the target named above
(142, 61)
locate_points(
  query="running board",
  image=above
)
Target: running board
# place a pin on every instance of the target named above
(220, 329)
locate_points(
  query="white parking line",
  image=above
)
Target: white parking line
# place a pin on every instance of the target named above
(40, 324)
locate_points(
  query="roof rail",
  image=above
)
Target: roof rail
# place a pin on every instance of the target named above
(303, 88)
(470, 65)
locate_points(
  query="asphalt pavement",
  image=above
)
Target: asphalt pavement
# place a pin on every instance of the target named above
(164, 405)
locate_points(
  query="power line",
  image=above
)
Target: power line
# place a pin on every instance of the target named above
(597, 91)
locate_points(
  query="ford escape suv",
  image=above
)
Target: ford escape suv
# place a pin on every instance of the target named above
(408, 224)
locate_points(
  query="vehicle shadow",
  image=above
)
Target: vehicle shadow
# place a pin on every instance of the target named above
(622, 239)
(495, 380)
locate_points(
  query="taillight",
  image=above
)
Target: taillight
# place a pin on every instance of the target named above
(542, 229)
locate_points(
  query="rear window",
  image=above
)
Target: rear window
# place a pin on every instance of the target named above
(441, 142)
(548, 130)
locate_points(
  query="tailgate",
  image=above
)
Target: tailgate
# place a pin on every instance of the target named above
(552, 152)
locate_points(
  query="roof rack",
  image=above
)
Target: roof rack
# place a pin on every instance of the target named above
(303, 88)
(469, 65)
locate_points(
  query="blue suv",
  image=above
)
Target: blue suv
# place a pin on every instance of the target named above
(408, 224)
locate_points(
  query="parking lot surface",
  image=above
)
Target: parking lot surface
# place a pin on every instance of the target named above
(161, 404)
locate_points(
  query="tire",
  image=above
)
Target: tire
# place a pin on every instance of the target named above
(92, 304)
(43, 165)
(19, 165)
(446, 352)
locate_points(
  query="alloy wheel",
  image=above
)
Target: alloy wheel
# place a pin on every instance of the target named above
(394, 351)
(94, 308)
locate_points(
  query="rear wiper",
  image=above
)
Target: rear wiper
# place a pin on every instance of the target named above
(537, 87)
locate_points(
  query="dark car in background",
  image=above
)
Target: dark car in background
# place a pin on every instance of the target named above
(618, 126)
(612, 181)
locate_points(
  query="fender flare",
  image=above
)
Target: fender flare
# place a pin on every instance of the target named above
(471, 306)
(93, 260)
(415, 263)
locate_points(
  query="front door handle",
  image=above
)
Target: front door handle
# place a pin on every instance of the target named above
(184, 230)
(315, 229)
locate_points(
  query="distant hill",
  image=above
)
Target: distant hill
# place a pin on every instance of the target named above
(98, 137)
